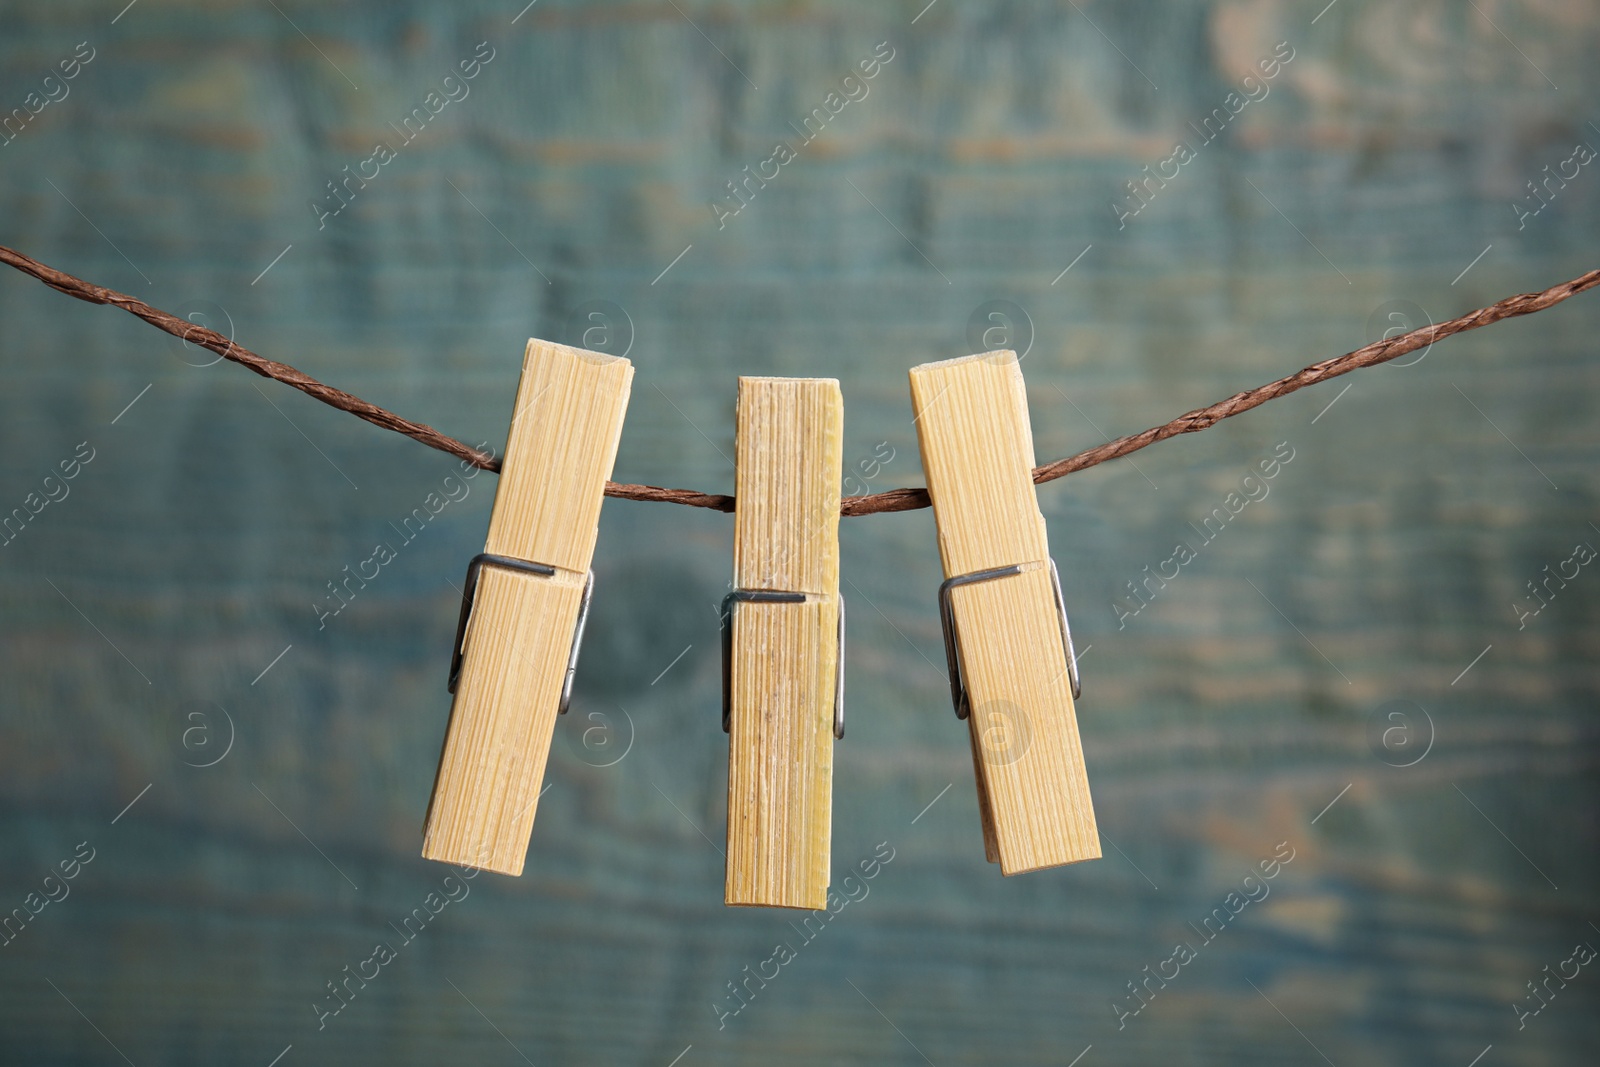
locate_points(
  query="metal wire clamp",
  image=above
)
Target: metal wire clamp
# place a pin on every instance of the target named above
(952, 638)
(772, 596)
(470, 590)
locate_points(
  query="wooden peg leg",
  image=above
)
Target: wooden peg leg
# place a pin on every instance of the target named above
(977, 453)
(784, 655)
(560, 450)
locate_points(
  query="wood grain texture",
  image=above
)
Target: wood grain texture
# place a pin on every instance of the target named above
(789, 457)
(559, 452)
(977, 452)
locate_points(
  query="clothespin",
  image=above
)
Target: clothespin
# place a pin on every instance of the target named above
(1013, 674)
(783, 642)
(524, 605)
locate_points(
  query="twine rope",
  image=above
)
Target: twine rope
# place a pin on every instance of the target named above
(894, 499)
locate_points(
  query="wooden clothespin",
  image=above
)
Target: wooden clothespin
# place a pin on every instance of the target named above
(783, 638)
(523, 606)
(1013, 674)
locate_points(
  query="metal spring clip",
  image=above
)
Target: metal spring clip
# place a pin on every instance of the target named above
(770, 596)
(952, 638)
(511, 563)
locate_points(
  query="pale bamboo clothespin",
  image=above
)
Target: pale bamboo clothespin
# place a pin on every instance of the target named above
(783, 678)
(1012, 672)
(524, 604)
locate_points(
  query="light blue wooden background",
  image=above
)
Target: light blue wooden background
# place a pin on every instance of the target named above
(985, 157)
